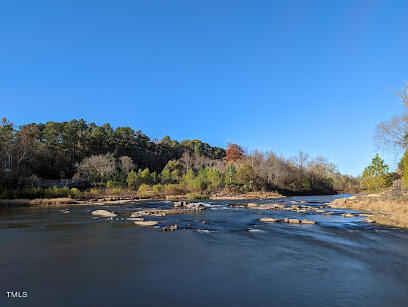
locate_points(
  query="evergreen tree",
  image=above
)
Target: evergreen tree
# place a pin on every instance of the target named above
(376, 176)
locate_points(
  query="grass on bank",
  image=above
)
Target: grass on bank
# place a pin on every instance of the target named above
(35, 193)
(144, 191)
(385, 212)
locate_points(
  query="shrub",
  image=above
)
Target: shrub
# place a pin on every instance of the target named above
(110, 184)
(157, 188)
(174, 189)
(94, 191)
(116, 190)
(74, 193)
(196, 196)
(171, 172)
(145, 176)
(27, 193)
(403, 166)
(144, 188)
(246, 174)
(132, 180)
(55, 192)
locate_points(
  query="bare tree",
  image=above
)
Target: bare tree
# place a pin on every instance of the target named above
(126, 164)
(98, 167)
(404, 94)
(187, 160)
(321, 166)
(394, 133)
(301, 160)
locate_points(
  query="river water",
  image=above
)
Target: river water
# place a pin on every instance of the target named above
(75, 259)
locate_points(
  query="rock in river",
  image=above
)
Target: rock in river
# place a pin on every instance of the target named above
(195, 206)
(179, 204)
(269, 220)
(308, 222)
(170, 228)
(152, 212)
(103, 213)
(292, 221)
(252, 205)
(146, 223)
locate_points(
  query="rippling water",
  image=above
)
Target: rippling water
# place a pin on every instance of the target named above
(233, 259)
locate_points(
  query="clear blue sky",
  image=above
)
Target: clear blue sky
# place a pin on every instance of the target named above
(274, 75)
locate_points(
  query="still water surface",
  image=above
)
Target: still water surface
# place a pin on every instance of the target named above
(232, 260)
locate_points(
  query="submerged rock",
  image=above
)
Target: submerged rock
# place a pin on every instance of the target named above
(291, 221)
(269, 220)
(170, 228)
(347, 215)
(265, 206)
(179, 204)
(103, 213)
(252, 205)
(196, 206)
(308, 222)
(146, 223)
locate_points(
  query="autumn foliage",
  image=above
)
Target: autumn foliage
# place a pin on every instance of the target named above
(234, 152)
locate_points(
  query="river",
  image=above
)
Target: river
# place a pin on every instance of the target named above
(75, 259)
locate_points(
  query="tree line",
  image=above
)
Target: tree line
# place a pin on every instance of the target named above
(125, 158)
(52, 150)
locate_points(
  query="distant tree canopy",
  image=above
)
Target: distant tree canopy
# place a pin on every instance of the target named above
(52, 148)
(124, 158)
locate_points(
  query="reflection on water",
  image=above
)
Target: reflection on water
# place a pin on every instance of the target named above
(231, 259)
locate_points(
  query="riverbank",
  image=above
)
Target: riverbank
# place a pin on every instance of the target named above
(57, 202)
(117, 200)
(249, 195)
(389, 208)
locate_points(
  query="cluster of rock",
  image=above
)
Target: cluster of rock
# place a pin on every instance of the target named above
(137, 217)
(170, 228)
(153, 213)
(302, 209)
(189, 206)
(286, 220)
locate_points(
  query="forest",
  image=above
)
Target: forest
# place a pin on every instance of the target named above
(121, 158)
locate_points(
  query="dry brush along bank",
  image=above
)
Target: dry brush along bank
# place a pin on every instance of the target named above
(389, 208)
